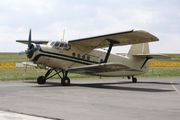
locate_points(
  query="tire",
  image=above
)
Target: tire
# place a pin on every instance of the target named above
(65, 81)
(41, 80)
(134, 80)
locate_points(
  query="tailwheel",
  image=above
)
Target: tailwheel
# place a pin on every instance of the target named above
(134, 80)
(65, 81)
(41, 80)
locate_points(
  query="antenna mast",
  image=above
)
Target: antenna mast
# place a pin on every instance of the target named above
(63, 35)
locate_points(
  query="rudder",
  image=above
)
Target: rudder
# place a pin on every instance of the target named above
(138, 48)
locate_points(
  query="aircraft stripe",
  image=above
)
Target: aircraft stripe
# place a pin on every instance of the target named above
(40, 55)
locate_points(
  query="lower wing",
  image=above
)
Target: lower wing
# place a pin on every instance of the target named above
(98, 68)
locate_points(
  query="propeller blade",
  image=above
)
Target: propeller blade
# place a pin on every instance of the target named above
(26, 66)
(29, 40)
(21, 53)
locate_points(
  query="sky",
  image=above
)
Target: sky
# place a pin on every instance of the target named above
(82, 18)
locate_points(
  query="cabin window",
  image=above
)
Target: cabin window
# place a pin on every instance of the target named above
(74, 54)
(78, 55)
(88, 57)
(83, 57)
(101, 60)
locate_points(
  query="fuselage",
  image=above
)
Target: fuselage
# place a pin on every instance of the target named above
(65, 58)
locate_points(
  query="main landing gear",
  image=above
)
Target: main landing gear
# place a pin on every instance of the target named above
(65, 81)
(134, 80)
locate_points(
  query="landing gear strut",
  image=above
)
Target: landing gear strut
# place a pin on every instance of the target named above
(65, 81)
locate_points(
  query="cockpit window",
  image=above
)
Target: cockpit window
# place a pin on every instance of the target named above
(60, 45)
(52, 43)
(57, 44)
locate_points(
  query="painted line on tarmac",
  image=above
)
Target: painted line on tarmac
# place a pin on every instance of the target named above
(4, 115)
(175, 88)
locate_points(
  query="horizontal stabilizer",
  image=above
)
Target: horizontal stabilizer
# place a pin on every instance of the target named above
(152, 56)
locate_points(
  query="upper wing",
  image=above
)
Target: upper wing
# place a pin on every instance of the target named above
(34, 41)
(121, 38)
(152, 56)
(98, 68)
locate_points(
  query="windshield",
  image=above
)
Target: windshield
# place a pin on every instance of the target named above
(60, 45)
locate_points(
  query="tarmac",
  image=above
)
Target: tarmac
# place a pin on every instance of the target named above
(92, 99)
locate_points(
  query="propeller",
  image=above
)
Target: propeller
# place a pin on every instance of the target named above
(26, 66)
(21, 53)
(30, 50)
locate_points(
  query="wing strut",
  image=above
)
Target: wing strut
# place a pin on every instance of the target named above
(112, 42)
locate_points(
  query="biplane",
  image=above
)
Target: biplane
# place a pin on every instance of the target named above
(88, 56)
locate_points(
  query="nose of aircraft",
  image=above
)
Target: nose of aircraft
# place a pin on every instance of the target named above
(30, 51)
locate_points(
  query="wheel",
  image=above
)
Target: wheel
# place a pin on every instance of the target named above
(65, 81)
(41, 80)
(134, 80)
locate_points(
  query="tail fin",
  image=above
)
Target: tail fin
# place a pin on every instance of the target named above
(138, 48)
(142, 62)
(139, 54)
